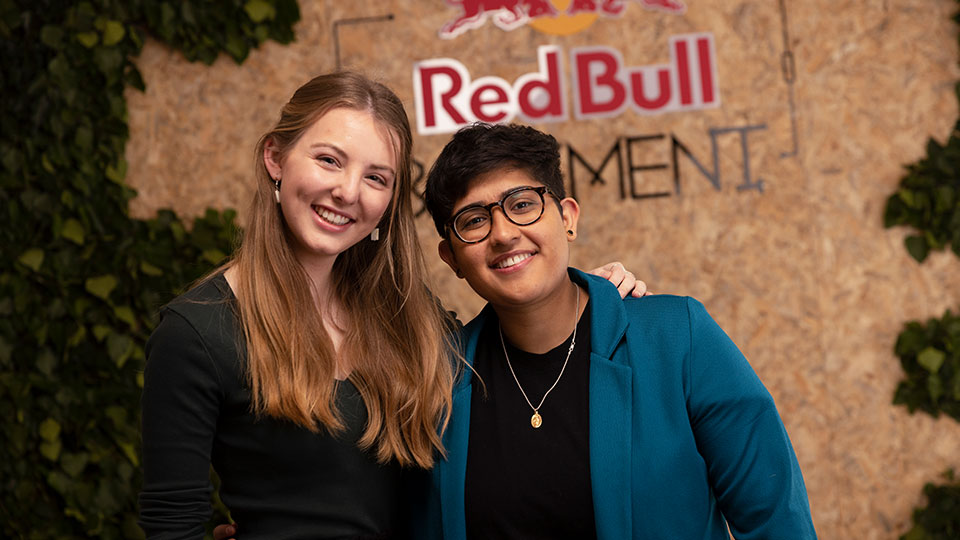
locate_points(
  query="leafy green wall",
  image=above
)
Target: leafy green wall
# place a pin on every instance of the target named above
(80, 281)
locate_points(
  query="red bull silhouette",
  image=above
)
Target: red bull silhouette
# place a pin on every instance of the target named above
(614, 8)
(510, 14)
(506, 14)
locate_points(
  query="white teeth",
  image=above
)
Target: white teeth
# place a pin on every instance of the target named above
(327, 215)
(510, 261)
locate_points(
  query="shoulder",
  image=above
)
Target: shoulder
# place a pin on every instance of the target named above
(206, 306)
(204, 317)
(664, 310)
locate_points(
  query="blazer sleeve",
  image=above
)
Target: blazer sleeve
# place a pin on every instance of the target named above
(180, 405)
(752, 468)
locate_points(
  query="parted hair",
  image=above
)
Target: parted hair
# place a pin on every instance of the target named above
(397, 337)
(481, 148)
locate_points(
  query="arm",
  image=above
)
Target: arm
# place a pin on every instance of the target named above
(180, 404)
(622, 278)
(751, 464)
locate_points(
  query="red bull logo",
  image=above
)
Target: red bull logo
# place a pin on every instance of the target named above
(447, 97)
(549, 16)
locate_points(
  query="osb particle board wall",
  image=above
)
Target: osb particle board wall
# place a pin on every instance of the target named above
(801, 274)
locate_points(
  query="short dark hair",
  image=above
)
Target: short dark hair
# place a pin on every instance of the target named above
(481, 148)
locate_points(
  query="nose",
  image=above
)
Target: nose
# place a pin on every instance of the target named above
(502, 230)
(347, 190)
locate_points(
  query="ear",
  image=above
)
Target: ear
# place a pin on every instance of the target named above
(271, 158)
(571, 216)
(443, 248)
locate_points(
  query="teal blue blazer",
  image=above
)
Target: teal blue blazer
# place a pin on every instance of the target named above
(684, 438)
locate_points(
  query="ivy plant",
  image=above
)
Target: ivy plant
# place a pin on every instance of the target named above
(930, 356)
(928, 199)
(80, 281)
(940, 519)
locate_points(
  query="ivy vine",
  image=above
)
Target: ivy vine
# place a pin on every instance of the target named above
(928, 199)
(80, 281)
(930, 356)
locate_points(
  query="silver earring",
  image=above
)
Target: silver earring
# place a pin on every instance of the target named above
(375, 234)
(276, 192)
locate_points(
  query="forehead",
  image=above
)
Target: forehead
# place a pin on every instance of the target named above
(355, 132)
(491, 186)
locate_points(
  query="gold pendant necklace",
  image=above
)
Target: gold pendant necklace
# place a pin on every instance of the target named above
(536, 420)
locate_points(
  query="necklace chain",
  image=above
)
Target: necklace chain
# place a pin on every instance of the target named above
(536, 419)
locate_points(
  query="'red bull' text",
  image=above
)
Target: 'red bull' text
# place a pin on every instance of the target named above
(448, 98)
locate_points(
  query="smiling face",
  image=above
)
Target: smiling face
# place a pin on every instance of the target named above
(515, 266)
(337, 181)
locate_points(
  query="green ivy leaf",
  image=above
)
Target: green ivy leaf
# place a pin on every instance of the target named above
(113, 32)
(150, 269)
(32, 259)
(125, 314)
(51, 36)
(117, 173)
(78, 337)
(259, 11)
(931, 359)
(46, 361)
(907, 197)
(214, 256)
(51, 450)
(119, 347)
(73, 230)
(88, 39)
(916, 533)
(917, 247)
(59, 482)
(50, 430)
(101, 286)
(236, 47)
(130, 452)
(117, 414)
(101, 331)
(74, 464)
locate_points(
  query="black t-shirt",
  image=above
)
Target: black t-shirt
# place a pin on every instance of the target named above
(280, 480)
(521, 482)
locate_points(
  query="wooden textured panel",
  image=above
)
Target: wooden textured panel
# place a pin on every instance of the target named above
(802, 274)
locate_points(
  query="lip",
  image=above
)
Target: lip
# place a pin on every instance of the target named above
(516, 267)
(323, 223)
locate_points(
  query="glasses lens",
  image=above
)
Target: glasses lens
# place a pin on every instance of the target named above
(472, 224)
(523, 207)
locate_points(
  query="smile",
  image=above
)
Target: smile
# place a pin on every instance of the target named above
(331, 217)
(511, 261)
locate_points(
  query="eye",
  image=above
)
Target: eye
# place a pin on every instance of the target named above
(523, 203)
(329, 160)
(471, 220)
(378, 179)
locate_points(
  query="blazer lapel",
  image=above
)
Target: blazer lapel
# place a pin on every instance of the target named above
(611, 411)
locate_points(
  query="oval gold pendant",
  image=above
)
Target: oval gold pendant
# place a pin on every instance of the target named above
(535, 420)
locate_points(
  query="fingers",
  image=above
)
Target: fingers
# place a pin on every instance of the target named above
(640, 290)
(224, 532)
(627, 284)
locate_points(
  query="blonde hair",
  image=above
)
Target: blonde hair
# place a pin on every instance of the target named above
(398, 339)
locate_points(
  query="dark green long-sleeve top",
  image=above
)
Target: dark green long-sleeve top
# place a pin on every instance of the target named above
(279, 480)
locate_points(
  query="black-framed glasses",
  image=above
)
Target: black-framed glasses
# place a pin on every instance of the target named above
(522, 206)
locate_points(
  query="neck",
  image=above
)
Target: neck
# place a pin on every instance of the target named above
(320, 274)
(540, 328)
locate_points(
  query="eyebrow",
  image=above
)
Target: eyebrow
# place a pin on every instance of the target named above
(501, 196)
(341, 154)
